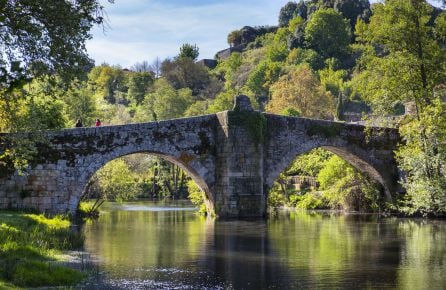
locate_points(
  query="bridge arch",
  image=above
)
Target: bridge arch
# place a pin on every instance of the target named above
(193, 170)
(370, 150)
(353, 157)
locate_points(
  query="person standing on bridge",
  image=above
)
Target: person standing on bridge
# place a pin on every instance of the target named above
(78, 123)
(98, 122)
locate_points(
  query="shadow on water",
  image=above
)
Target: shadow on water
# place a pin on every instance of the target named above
(165, 246)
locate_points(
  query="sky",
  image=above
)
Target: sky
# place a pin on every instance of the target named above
(139, 30)
(142, 30)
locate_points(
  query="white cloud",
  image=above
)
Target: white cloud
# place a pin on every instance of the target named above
(142, 30)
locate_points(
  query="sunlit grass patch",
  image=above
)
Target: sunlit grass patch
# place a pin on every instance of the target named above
(7, 286)
(89, 210)
(36, 274)
(29, 245)
(57, 222)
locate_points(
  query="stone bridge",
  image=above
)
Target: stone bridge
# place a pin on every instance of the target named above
(234, 156)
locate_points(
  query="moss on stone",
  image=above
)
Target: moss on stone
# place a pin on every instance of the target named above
(254, 122)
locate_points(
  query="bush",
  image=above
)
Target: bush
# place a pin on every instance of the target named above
(276, 199)
(311, 201)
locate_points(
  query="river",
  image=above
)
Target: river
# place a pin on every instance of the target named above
(165, 245)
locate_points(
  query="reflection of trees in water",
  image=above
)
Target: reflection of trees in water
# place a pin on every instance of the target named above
(337, 251)
(134, 244)
(295, 250)
(424, 255)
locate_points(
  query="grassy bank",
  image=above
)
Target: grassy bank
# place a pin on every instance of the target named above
(29, 246)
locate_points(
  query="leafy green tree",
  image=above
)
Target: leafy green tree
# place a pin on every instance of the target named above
(263, 76)
(34, 109)
(406, 68)
(309, 164)
(116, 181)
(109, 83)
(278, 50)
(309, 56)
(138, 85)
(165, 102)
(224, 101)
(46, 40)
(197, 196)
(80, 104)
(346, 188)
(328, 33)
(424, 160)
(292, 112)
(189, 51)
(297, 28)
(332, 79)
(45, 37)
(404, 61)
(198, 108)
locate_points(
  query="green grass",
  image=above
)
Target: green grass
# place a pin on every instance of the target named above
(89, 210)
(29, 244)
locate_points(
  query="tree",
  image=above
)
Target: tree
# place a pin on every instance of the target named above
(155, 67)
(185, 73)
(263, 76)
(404, 61)
(116, 181)
(424, 159)
(138, 85)
(291, 10)
(79, 104)
(332, 79)
(165, 102)
(108, 82)
(300, 89)
(39, 39)
(328, 33)
(344, 187)
(234, 38)
(189, 51)
(309, 56)
(352, 9)
(409, 62)
(143, 66)
(45, 37)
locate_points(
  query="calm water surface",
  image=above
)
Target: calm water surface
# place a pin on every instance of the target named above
(148, 245)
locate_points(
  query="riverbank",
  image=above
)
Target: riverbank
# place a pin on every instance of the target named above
(31, 248)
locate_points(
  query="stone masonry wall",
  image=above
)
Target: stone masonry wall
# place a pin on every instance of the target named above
(55, 180)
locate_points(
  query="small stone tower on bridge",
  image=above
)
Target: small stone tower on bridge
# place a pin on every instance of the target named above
(234, 156)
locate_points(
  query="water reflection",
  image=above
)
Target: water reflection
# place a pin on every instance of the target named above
(148, 245)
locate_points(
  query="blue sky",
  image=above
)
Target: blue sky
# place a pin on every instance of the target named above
(145, 29)
(140, 30)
